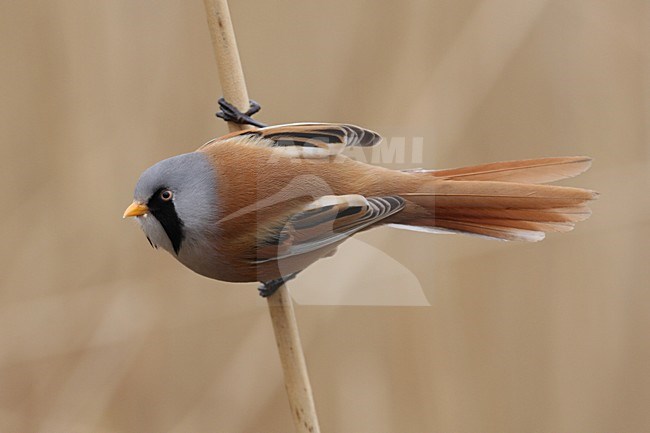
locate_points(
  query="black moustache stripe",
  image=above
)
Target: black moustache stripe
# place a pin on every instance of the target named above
(165, 213)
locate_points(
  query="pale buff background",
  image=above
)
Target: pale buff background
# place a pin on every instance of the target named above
(99, 333)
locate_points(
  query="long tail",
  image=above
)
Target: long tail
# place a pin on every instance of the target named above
(504, 200)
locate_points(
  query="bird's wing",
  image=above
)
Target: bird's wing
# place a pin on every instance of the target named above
(326, 221)
(310, 140)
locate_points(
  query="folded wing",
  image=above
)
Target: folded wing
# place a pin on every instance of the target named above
(326, 221)
(308, 140)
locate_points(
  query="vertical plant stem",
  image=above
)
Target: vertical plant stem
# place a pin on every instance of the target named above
(296, 378)
(231, 74)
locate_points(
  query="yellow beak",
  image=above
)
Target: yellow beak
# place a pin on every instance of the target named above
(135, 209)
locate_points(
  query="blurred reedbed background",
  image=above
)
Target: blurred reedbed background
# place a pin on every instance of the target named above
(99, 333)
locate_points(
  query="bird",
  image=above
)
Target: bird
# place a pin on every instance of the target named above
(263, 204)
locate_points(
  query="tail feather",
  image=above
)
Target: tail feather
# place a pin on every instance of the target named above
(523, 224)
(502, 200)
(491, 231)
(498, 195)
(543, 170)
(573, 215)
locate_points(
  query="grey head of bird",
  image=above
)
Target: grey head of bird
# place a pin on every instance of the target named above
(175, 202)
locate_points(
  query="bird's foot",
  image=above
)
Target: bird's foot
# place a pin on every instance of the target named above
(270, 287)
(230, 113)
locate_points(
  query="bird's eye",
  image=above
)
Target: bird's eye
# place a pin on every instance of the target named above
(166, 195)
